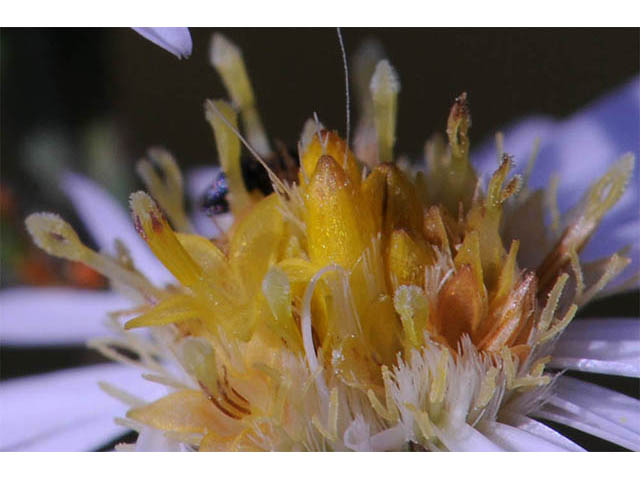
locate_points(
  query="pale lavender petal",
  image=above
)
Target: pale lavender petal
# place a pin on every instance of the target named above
(55, 315)
(580, 149)
(541, 430)
(66, 410)
(198, 179)
(106, 220)
(519, 141)
(595, 410)
(174, 40)
(513, 439)
(610, 346)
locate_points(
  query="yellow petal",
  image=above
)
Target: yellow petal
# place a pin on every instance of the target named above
(337, 230)
(434, 229)
(406, 260)
(186, 411)
(329, 143)
(177, 308)
(393, 199)
(153, 227)
(255, 241)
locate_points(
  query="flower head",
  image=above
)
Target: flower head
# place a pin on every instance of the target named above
(370, 304)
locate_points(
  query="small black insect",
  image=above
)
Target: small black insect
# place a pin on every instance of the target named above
(284, 164)
(214, 200)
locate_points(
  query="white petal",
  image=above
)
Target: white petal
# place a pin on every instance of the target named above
(174, 40)
(81, 436)
(541, 430)
(513, 439)
(609, 346)
(55, 315)
(465, 438)
(391, 439)
(106, 220)
(595, 410)
(66, 410)
(152, 440)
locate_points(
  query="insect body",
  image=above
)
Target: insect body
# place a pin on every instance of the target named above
(284, 164)
(214, 199)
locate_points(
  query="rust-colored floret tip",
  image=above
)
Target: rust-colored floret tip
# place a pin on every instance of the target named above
(460, 107)
(147, 216)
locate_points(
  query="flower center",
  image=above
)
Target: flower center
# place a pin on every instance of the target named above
(390, 287)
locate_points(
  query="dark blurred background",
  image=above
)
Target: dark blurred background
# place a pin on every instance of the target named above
(67, 79)
(93, 100)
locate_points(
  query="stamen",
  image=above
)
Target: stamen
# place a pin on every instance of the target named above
(333, 413)
(508, 367)
(278, 185)
(552, 303)
(277, 291)
(615, 264)
(424, 422)
(439, 382)
(124, 397)
(551, 199)
(500, 145)
(378, 407)
(58, 238)
(168, 190)
(228, 146)
(600, 198)
(531, 162)
(227, 60)
(458, 126)
(487, 388)
(458, 178)
(384, 90)
(577, 272)
(153, 227)
(560, 326)
(387, 380)
(323, 431)
(413, 307)
(364, 64)
(175, 309)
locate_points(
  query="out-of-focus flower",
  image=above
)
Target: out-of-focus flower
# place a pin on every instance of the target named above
(397, 308)
(172, 39)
